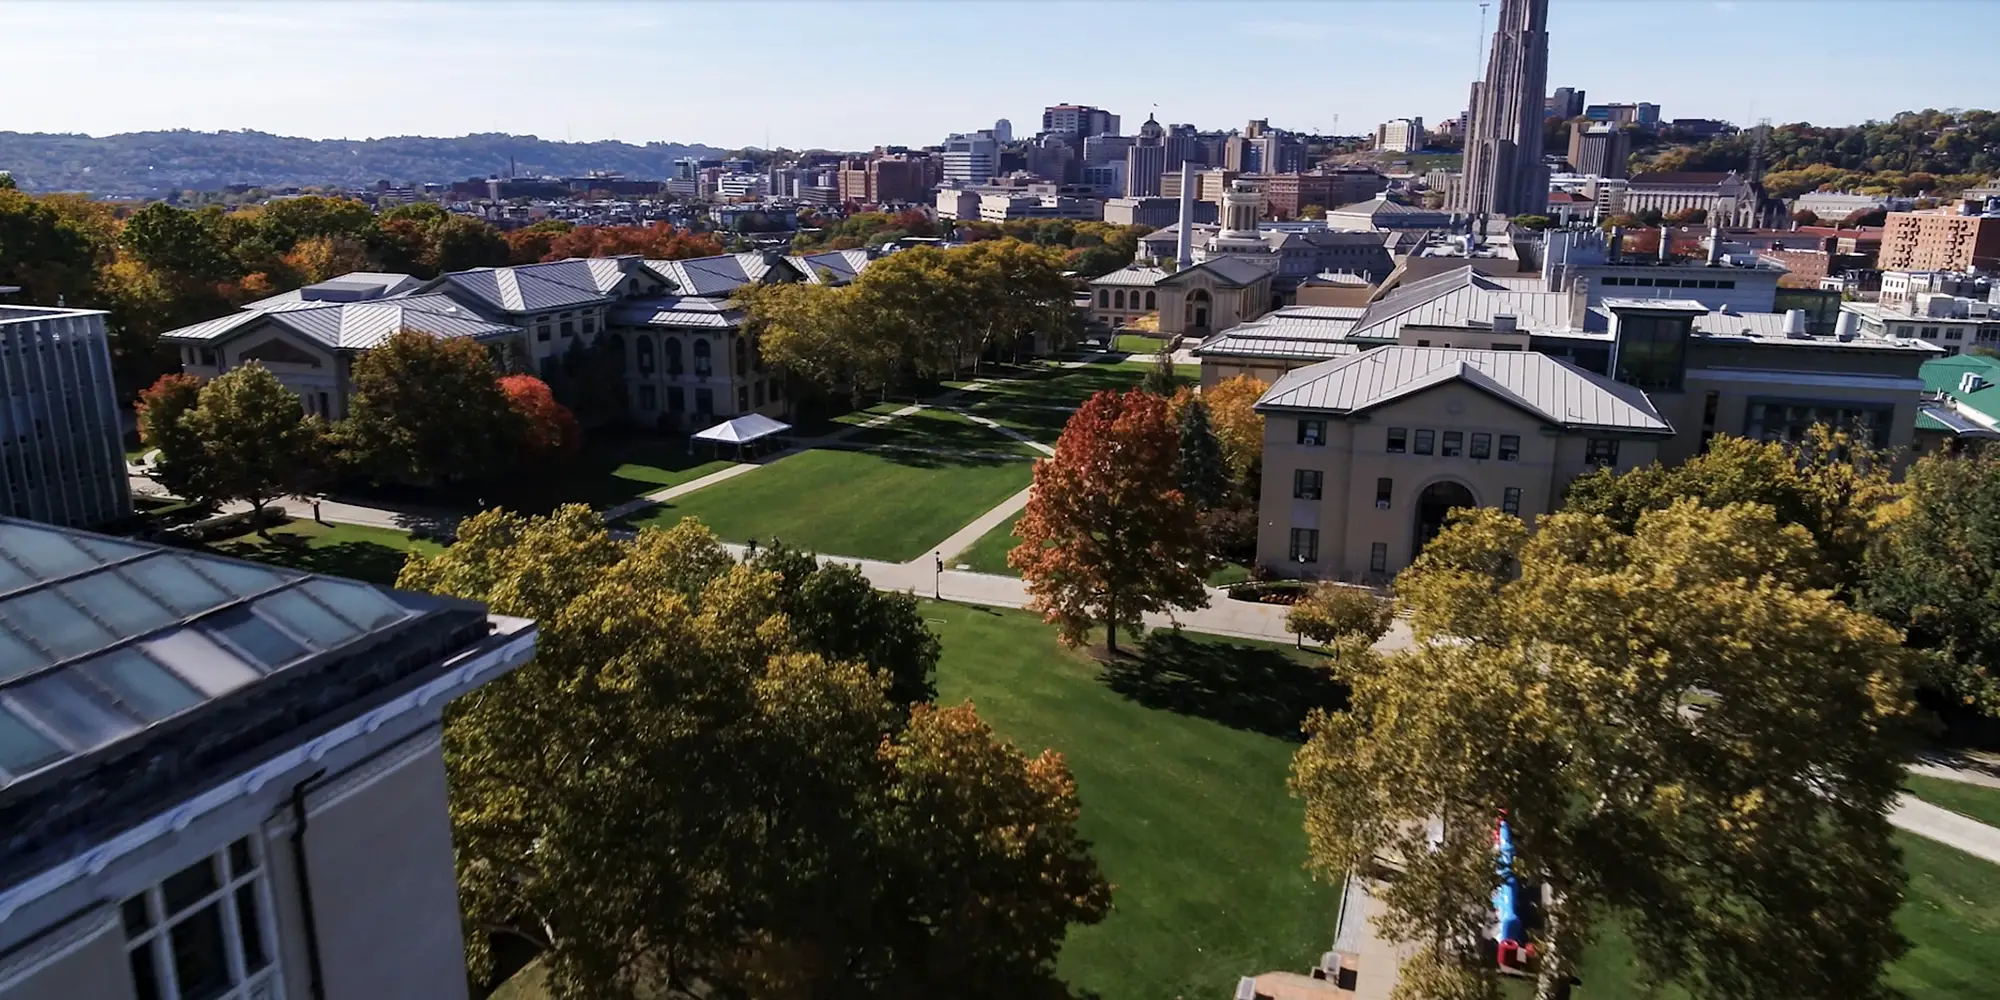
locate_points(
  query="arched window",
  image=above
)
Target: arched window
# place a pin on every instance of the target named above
(673, 355)
(615, 344)
(645, 355)
(1103, 298)
(1118, 299)
(1150, 301)
(742, 358)
(702, 365)
(757, 356)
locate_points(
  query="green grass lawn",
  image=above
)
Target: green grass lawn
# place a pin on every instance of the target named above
(874, 505)
(1183, 789)
(610, 470)
(362, 553)
(1071, 386)
(989, 553)
(1044, 422)
(1133, 343)
(935, 428)
(1976, 801)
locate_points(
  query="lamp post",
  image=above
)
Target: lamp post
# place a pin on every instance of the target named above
(937, 580)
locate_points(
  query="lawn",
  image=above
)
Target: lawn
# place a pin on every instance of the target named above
(935, 428)
(989, 553)
(875, 505)
(1180, 760)
(362, 553)
(610, 470)
(1132, 343)
(1978, 802)
(1043, 422)
(1071, 386)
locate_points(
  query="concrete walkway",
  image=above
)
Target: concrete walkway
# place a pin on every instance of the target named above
(1946, 827)
(1960, 768)
(963, 538)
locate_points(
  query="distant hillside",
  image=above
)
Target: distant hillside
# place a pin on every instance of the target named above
(154, 163)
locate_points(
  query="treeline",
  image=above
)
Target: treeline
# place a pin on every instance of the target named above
(1921, 151)
(160, 267)
(244, 436)
(922, 313)
(1090, 248)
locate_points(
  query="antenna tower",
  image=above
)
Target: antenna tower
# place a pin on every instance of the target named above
(1479, 46)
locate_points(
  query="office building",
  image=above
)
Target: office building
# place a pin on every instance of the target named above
(1183, 144)
(887, 179)
(970, 159)
(1936, 241)
(1400, 135)
(1640, 115)
(1144, 166)
(62, 453)
(1286, 195)
(1598, 150)
(1565, 103)
(1503, 150)
(1003, 131)
(1099, 150)
(225, 779)
(1079, 119)
(1106, 180)
(1152, 211)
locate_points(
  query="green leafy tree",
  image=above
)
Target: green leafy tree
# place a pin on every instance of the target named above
(425, 411)
(180, 464)
(256, 441)
(1107, 534)
(287, 223)
(1631, 704)
(177, 241)
(1161, 378)
(43, 253)
(837, 614)
(1204, 477)
(1333, 611)
(1934, 570)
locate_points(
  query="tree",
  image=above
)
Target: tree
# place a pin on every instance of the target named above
(1535, 222)
(1805, 217)
(1831, 483)
(256, 443)
(175, 240)
(1161, 378)
(1332, 611)
(48, 257)
(549, 432)
(425, 411)
(1865, 217)
(180, 464)
(1630, 705)
(1107, 534)
(1934, 570)
(1239, 428)
(342, 221)
(1097, 261)
(674, 798)
(837, 614)
(1204, 478)
(318, 258)
(1312, 212)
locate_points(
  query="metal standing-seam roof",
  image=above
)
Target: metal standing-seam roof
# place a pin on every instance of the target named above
(1234, 271)
(843, 265)
(676, 311)
(1460, 297)
(1552, 389)
(1145, 277)
(556, 284)
(351, 326)
(359, 286)
(719, 275)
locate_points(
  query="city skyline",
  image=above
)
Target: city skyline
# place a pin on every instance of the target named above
(381, 70)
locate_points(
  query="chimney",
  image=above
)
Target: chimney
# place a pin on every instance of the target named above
(1666, 243)
(1714, 245)
(1847, 326)
(1184, 242)
(1795, 324)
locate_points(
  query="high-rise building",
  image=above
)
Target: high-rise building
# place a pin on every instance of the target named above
(1598, 149)
(1003, 131)
(1182, 142)
(1503, 152)
(62, 445)
(1564, 103)
(969, 159)
(1143, 167)
(1099, 150)
(1081, 119)
(1936, 241)
(1400, 135)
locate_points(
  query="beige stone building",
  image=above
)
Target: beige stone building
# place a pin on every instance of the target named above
(223, 780)
(1214, 295)
(1364, 455)
(1124, 295)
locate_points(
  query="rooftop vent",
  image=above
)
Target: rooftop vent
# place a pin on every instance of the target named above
(1505, 323)
(1970, 382)
(1795, 324)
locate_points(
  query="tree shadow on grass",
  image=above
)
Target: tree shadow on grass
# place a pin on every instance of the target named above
(1241, 686)
(366, 561)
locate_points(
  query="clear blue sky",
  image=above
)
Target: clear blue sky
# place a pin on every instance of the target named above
(850, 75)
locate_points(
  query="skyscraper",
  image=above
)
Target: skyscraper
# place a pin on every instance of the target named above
(1503, 150)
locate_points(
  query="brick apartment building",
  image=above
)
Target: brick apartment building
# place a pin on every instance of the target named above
(886, 180)
(1932, 241)
(1285, 194)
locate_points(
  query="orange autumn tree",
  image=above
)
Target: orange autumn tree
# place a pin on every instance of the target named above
(1107, 535)
(549, 432)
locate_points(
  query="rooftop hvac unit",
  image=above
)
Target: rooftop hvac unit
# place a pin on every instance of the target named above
(1970, 382)
(1847, 326)
(1795, 324)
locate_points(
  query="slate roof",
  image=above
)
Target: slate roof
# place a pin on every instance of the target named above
(1548, 388)
(349, 326)
(556, 284)
(1461, 297)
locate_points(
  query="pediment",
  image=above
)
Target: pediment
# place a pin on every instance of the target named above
(279, 351)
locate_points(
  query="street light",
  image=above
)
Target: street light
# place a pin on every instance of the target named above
(937, 581)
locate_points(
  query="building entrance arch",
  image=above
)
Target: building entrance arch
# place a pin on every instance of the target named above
(1434, 504)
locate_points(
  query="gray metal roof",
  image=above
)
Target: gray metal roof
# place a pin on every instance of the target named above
(719, 275)
(843, 265)
(1290, 348)
(1461, 297)
(1232, 270)
(350, 326)
(360, 284)
(1145, 277)
(1546, 387)
(677, 311)
(1303, 333)
(101, 638)
(556, 284)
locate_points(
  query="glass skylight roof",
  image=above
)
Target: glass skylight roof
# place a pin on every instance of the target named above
(100, 638)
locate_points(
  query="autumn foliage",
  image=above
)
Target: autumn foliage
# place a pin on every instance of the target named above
(548, 430)
(1107, 534)
(658, 241)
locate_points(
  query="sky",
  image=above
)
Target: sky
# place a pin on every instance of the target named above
(854, 75)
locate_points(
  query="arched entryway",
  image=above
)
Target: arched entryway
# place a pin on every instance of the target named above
(1434, 504)
(1197, 310)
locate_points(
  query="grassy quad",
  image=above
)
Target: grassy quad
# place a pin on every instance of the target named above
(350, 550)
(944, 429)
(1071, 386)
(1975, 801)
(989, 553)
(611, 469)
(1181, 758)
(890, 505)
(1133, 343)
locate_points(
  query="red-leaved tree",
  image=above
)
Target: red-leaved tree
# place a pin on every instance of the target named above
(658, 241)
(549, 432)
(1107, 535)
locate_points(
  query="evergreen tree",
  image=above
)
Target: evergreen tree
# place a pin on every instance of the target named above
(1204, 478)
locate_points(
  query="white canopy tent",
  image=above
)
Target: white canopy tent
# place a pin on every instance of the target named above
(743, 430)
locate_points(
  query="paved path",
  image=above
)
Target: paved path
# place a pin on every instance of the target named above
(963, 538)
(1946, 827)
(1956, 767)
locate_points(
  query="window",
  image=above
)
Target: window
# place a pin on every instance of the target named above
(1601, 452)
(1954, 333)
(324, 411)
(1384, 488)
(1510, 501)
(649, 398)
(1510, 447)
(1305, 545)
(646, 354)
(742, 398)
(1651, 351)
(1482, 445)
(208, 357)
(1399, 440)
(676, 399)
(1905, 330)
(703, 366)
(1423, 343)
(1789, 420)
(615, 346)
(757, 356)
(1307, 484)
(777, 389)
(673, 349)
(1454, 444)
(542, 332)
(1426, 442)
(568, 327)
(1150, 301)
(201, 933)
(704, 402)
(760, 394)
(1312, 432)
(742, 357)
(1725, 284)
(590, 324)
(1104, 298)
(1118, 299)
(1378, 557)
